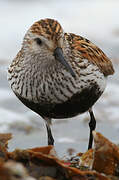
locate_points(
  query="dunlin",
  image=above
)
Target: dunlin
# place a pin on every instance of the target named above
(58, 74)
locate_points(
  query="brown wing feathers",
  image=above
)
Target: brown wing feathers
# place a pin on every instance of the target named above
(89, 51)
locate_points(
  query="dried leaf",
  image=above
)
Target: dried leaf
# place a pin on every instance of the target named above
(86, 159)
(46, 178)
(4, 138)
(106, 155)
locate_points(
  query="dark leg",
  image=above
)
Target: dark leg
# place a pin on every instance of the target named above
(92, 125)
(49, 133)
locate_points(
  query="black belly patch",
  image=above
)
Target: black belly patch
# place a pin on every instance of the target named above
(79, 103)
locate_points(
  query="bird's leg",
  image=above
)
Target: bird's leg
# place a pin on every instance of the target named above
(92, 125)
(49, 132)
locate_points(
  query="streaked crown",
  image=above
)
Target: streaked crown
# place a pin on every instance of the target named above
(49, 28)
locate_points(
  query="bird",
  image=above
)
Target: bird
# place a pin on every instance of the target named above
(58, 74)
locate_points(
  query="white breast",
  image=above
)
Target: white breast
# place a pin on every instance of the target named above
(58, 87)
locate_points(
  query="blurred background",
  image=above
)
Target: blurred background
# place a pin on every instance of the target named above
(98, 21)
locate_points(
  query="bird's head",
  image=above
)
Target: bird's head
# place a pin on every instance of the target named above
(45, 38)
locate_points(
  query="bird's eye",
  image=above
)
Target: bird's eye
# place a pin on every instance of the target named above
(38, 40)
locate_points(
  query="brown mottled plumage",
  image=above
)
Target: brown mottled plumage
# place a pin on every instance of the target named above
(58, 74)
(87, 50)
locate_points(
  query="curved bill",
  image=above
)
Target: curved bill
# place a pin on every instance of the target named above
(58, 53)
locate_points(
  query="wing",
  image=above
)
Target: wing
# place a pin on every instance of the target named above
(87, 50)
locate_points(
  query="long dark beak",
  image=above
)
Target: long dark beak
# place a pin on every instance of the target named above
(58, 53)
